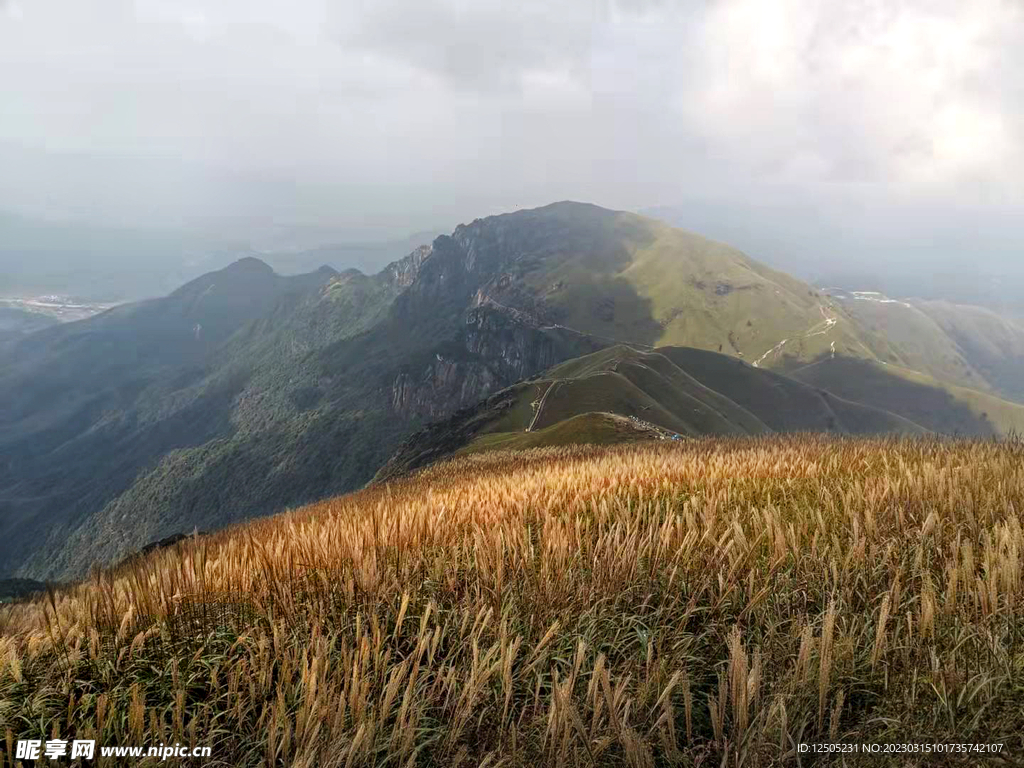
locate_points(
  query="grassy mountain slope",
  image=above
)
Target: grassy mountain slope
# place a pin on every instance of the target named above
(244, 392)
(621, 394)
(633, 279)
(782, 403)
(991, 343)
(709, 602)
(915, 396)
(644, 385)
(955, 344)
(704, 410)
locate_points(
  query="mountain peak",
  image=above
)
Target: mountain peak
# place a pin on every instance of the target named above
(562, 209)
(570, 205)
(249, 264)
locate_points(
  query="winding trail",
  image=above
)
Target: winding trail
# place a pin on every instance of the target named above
(818, 329)
(540, 405)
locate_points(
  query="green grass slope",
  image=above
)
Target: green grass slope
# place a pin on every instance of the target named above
(955, 344)
(614, 393)
(916, 341)
(623, 394)
(645, 385)
(666, 383)
(633, 279)
(936, 406)
(782, 403)
(991, 343)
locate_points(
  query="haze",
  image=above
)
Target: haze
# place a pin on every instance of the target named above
(880, 138)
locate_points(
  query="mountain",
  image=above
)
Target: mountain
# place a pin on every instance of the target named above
(245, 392)
(621, 394)
(915, 396)
(950, 367)
(86, 406)
(992, 343)
(16, 323)
(242, 393)
(964, 345)
(623, 277)
(917, 341)
(364, 255)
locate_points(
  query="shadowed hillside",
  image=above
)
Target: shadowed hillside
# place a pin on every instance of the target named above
(624, 395)
(955, 344)
(914, 396)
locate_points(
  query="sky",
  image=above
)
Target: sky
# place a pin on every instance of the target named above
(873, 129)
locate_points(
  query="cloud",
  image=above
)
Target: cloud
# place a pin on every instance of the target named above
(11, 9)
(482, 45)
(404, 110)
(893, 92)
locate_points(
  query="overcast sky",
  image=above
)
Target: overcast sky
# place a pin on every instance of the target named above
(390, 116)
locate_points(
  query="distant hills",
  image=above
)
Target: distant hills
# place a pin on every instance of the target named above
(245, 392)
(964, 254)
(963, 345)
(117, 264)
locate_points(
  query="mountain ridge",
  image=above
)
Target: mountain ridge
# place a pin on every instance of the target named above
(667, 393)
(245, 392)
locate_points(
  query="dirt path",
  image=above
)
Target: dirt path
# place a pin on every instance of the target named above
(818, 329)
(540, 405)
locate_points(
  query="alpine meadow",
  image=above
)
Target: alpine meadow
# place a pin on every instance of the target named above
(493, 384)
(713, 602)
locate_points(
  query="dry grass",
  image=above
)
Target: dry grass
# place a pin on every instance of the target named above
(714, 602)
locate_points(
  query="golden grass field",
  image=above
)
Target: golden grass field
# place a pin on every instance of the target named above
(711, 602)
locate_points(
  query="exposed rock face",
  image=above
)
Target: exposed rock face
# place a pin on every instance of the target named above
(444, 386)
(443, 437)
(499, 330)
(513, 344)
(498, 348)
(402, 273)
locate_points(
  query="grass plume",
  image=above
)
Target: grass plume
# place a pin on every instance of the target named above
(711, 602)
